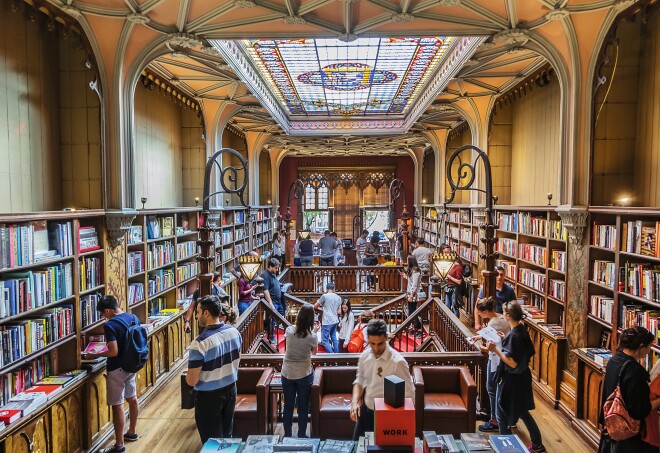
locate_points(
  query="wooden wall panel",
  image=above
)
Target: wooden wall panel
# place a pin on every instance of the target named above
(158, 162)
(29, 126)
(80, 131)
(265, 178)
(499, 153)
(428, 177)
(613, 164)
(193, 154)
(238, 143)
(346, 207)
(647, 149)
(455, 142)
(372, 198)
(535, 146)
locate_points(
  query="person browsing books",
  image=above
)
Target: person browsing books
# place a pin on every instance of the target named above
(375, 363)
(213, 368)
(273, 294)
(245, 292)
(503, 293)
(120, 384)
(216, 290)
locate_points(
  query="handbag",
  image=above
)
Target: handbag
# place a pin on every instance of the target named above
(618, 422)
(356, 343)
(187, 394)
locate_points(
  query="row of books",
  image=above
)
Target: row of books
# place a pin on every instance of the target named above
(90, 273)
(161, 280)
(135, 235)
(640, 279)
(603, 236)
(23, 291)
(473, 442)
(604, 272)
(29, 243)
(599, 355)
(134, 263)
(88, 239)
(454, 232)
(641, 238)
(135, 293)
(558, 260)
(88, 312)
(160, 254)
(533, 226)
(506, 246)
(186, 250)
(223, 237)
(531, 278)
(510, 268)
(36, 396)
(21, 379)
(529, 300)
(557, 289)
(186, 271)
(25, 337)
(226, 255)
(601, 307)
(156, 305)
(533, 253)
(160, 227)
(638, 315)
(161, 318)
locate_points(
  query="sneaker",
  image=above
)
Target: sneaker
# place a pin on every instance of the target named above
(539, 449)
(113, 449)
(131, 437)
(489, 426)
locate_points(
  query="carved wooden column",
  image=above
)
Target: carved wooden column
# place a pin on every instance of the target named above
(575, 222)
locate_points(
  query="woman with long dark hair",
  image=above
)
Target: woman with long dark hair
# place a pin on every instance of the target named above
(414, 277)
(297, 373)
(454, 288)
(514, 394)
(346, 325)
(624, 370)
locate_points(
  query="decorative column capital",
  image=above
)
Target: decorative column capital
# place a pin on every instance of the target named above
(118, 222)
(574, 219)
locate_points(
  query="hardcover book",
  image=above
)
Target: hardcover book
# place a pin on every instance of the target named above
(507, 443)
(337, 446)
(94, 347)
(8, 416)
(475, 442)
(295, 444)
(221, 444)
(260, 443)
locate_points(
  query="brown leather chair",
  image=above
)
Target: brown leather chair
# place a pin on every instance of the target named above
(251, 413)
(332, 391)
(445, 399)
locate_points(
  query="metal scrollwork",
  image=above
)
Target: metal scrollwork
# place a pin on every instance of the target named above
(233, 179)
(467, 174)
(296, 191)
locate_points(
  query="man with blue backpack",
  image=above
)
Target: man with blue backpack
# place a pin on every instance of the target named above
(127, 353)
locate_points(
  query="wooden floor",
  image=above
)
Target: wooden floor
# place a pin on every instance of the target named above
(164, 427)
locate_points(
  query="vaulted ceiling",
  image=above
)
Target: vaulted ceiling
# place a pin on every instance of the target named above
(503, 59)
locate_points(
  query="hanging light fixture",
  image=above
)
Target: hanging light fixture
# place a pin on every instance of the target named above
(249, 265)
(304, 234)
(389, 233)
(442, 263)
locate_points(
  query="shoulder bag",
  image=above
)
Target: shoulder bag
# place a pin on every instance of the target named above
(618, 422)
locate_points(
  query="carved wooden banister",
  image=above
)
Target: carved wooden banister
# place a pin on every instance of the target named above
(355, 279)
(252, 326)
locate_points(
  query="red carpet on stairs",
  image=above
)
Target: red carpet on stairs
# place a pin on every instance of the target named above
(408, 342)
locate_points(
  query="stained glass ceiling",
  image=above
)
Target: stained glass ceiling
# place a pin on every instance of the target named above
(328, 86)
(325, 77)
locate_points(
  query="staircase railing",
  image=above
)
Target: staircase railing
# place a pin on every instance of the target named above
(252, 325)
(347, 279)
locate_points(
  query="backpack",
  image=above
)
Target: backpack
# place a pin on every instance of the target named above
(618, 422)
(136, 347)
(356, 344)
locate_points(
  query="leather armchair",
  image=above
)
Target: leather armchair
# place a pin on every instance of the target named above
(445, 399)
(332, 391)
(251, 412)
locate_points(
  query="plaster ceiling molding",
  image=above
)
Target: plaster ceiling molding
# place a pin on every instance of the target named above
(245, 4)
(347, 37)
(294, 20)
(175, 81)
(557, 14)
(441, 107)
(449, 2)
(223, 67)
(178, 54)
(402, 18)
(620, 5)
(183, 40)
(511, 36)
(210, 50)
(72, 11)
(486, 45)
(137, 18)
(516, 50)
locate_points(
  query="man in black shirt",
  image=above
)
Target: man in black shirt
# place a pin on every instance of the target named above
(273, 293)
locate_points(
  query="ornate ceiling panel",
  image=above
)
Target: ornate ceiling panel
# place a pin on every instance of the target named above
(190, 63)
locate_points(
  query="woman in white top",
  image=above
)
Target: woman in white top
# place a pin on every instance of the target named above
(278, 251)
(297, 372)
(296, 252)
(414, 277)
(486, 309)
(346, 325)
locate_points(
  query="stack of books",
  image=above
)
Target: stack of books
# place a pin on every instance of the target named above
(88, 239)
(599, 355)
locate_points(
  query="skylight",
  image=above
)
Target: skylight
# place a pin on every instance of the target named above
(329, 77)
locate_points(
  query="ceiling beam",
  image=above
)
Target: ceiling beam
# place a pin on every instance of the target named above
(348, 17)
(184, 6)
(132, 5)
(512, 12)
(238, 23)
(221, 10)
(487, 27)
(312, 5)
(487, 14)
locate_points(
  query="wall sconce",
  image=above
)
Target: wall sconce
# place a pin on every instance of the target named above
(549, 198)
(624, 200)
(143, 200)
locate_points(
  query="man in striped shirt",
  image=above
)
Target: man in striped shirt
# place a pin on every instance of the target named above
(213, 369)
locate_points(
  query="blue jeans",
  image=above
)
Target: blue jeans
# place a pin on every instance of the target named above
(526, 417)
(450, 302)
(242, 306)
(302, 388)
(328, 331)
(491, 387)
(271, 323)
